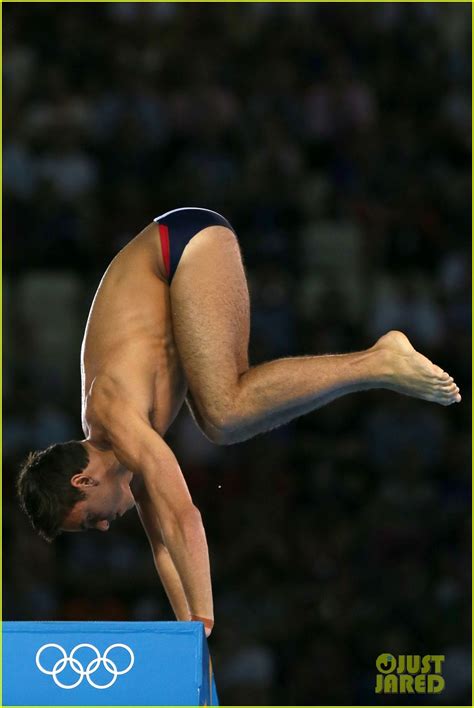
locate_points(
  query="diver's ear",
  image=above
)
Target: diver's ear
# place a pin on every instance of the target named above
(83, 480)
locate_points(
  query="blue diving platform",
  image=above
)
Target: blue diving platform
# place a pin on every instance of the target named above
(106, 664)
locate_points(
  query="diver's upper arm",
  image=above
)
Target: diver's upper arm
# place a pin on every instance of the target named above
(139, 448)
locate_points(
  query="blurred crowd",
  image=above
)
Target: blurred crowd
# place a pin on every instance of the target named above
(336, 140)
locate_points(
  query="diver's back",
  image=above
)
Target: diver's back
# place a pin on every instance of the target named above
(129, 321)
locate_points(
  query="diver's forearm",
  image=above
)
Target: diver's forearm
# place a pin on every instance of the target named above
(172, 583)
(186, 542)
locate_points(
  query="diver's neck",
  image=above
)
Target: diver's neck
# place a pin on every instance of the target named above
(103, 460)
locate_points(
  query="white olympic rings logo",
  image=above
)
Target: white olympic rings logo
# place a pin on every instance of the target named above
(78, 668)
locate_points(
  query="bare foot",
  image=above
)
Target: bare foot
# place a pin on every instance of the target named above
(413, 374)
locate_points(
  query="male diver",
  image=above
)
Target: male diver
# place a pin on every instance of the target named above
(169, 322)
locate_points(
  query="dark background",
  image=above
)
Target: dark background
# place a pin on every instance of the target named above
(336, 139)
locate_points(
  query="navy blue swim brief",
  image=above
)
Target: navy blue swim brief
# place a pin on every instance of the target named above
(177, 227)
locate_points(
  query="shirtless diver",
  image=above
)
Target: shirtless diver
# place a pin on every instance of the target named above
(169, 322)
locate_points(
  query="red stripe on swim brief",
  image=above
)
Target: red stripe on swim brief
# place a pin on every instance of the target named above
(165, 246)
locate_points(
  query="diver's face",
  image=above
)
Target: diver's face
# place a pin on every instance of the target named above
(104, 502)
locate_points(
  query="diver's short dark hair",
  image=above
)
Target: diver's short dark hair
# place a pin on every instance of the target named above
(44, 485)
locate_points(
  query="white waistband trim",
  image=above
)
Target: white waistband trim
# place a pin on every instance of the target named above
(162, 216)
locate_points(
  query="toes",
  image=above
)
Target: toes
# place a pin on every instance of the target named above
(446, 385)
(446, 389)
(454, 396)
(444, 392)
(446, 395)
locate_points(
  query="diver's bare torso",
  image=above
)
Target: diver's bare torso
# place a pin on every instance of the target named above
(128, 354)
